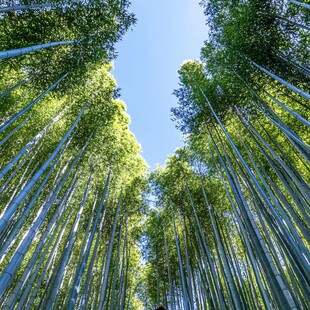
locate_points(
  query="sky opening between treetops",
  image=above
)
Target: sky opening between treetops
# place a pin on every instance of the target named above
(166, 34)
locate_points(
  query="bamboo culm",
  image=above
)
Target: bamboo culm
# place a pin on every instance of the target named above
(30, 105)
(4, 220)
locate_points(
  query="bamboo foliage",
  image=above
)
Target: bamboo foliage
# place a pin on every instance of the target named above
(241, 182)
(54, 250)
(229, 228)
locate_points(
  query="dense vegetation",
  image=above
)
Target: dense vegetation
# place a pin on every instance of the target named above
(72, 178)
(229, 227)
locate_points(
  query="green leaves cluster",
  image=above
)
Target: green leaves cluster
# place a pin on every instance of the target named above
(92, 27)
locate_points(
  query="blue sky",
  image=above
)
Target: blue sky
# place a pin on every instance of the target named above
(167, 33)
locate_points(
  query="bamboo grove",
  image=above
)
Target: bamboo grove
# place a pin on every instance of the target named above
(230, 229)
(230, 225)
(71, 174)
